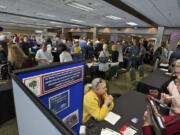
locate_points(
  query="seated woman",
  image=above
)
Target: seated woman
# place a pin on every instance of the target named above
(174, 92)
(172, 127)
(97, 103)
(17, 59)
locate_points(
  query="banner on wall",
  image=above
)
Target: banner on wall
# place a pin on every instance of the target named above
(175, 37)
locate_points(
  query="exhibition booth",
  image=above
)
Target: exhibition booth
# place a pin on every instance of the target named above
(49, 99)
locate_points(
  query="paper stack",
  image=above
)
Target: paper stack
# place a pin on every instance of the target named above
(112, 118)
(108, 131)
(129, 131)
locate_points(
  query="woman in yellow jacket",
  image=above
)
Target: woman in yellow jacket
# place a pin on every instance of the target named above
(97, 103)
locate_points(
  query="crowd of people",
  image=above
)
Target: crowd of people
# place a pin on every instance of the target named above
(17, 52)
(135, 52)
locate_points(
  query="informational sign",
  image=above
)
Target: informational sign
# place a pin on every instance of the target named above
(49, 82)
(59, 102)
(61, 79)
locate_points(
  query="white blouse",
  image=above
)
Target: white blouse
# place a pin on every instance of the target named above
(173, 91)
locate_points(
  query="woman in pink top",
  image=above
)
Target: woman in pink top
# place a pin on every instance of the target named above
(174, 92)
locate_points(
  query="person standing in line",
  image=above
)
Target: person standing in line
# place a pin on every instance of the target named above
(64, 56)
(44, 57)
(75, 51)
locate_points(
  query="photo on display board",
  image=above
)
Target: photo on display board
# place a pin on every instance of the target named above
(59, 102)
(33, 83)
(72, 119)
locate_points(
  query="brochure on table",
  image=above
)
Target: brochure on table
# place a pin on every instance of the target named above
(61, 90)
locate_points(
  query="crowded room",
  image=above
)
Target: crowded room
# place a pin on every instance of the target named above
(98, 67)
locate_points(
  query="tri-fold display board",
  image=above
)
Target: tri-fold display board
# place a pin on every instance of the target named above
(46, 91)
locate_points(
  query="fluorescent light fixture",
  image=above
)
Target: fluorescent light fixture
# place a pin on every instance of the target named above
(14, 21)
(131, 23)
(74, 20)
(38, 31)
(98, 25)
(113, 17)
(26, 18)
(55, 22)
(48, 27)
(59, 26)
(79, 6)
(4, 7)
(44, 14)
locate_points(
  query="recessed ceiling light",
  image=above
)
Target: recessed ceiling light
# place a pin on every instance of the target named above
(14, 21)
(27, 18)
(113, 17)
(75, 20)
(4, 7)
(79, 6)
(44, 14)
(98, 25)
(59, 26)
(131, 23)
(38, 31)
(55, 22)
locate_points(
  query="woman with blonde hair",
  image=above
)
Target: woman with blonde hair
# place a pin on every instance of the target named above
(17, 59)
(174, 91)
(97, 103)
(114, 54)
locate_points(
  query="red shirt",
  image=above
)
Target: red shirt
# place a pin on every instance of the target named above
(173, 129)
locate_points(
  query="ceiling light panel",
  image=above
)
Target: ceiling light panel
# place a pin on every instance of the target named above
(113, 17)
(3, 7)
(55, 22)
(132, 23)
(79, 6)
(75, 20)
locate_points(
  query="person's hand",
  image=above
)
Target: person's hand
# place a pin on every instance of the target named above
(147, 117)
(165, 97)
(44, 59)
(108, 100)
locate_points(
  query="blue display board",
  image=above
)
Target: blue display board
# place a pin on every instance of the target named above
(61, 90)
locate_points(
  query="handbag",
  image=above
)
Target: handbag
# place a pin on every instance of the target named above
(103, 59)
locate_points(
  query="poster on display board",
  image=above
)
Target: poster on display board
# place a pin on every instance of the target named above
(175, 37)
(58, 86)
(59, 102)
(34, 84)
(49, 82)
(72, 119)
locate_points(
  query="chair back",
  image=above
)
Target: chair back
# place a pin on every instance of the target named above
(141, 71)
(133, 74)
